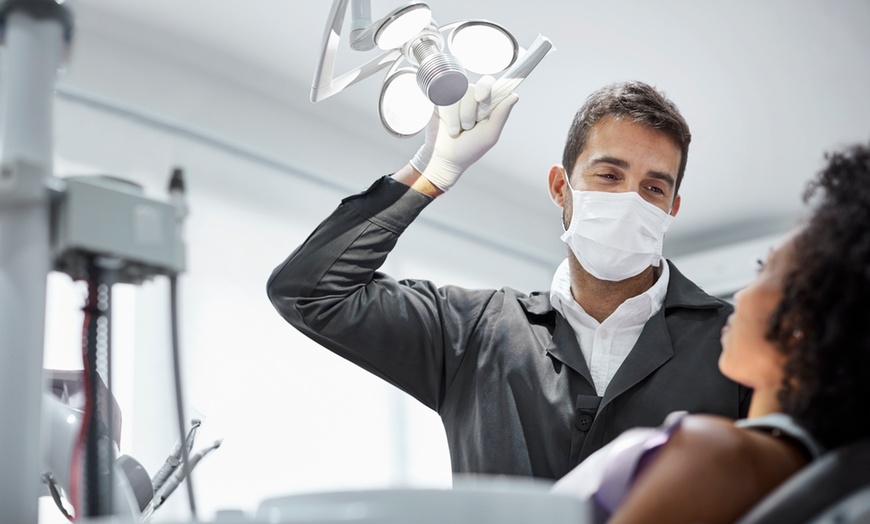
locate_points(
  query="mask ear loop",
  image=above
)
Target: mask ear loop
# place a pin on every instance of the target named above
(566, 224)
(567, 178)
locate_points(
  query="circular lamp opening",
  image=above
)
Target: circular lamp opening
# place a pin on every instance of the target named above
(483, 47)
(402, 25)
(403, 108)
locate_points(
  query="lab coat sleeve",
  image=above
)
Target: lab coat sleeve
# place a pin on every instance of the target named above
(410, 333)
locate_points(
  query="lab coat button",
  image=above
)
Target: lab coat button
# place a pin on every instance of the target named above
(584, 422)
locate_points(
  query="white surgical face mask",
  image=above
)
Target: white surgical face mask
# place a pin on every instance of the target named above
(615, 236)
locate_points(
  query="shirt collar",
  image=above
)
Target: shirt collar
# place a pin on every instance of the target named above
(635, 310)
(681, 293)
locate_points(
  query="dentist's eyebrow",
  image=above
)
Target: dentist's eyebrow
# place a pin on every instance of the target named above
(622, 164)
(664, 177)
(612, 160)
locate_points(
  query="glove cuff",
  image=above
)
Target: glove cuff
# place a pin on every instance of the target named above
(442, 173)
(439, 171)
(421, 160)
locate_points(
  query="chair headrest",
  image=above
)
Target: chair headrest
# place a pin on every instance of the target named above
(821, 484)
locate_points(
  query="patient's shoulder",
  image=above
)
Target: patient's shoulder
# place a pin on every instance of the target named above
(709, 471)
(711, 438)
(760, 457)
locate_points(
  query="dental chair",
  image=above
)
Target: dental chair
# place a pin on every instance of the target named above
(833, 489)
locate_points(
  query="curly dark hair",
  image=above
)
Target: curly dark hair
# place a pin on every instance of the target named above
(636, 101)
(823, 321)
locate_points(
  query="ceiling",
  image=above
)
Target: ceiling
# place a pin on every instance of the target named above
(766, 87)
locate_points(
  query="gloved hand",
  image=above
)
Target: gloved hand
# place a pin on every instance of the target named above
(455, 139)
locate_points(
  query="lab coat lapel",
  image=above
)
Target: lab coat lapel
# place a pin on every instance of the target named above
(652, 349)
(564, 347)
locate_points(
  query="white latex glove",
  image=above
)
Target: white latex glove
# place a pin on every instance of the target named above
(455, 139)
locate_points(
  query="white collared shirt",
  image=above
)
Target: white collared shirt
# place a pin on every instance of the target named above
(605, 345)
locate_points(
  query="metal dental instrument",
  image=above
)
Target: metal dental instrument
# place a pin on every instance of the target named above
(176, 479)
(174, 459)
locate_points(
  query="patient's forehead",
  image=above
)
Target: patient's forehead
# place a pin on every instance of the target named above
(782, 255)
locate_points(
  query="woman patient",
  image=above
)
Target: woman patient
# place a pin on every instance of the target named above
(800, 337)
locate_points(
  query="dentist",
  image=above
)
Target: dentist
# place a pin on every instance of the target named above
(528, 384)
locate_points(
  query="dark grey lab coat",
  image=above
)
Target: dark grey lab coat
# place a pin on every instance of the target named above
(503, 369)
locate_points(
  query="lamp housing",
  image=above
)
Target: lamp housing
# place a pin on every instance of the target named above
(444, 59)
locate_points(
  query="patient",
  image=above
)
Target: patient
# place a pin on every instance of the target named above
(800, 337)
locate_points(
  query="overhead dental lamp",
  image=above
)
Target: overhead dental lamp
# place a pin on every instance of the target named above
(429, 65)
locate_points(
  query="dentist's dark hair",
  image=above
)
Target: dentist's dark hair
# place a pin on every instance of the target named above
(633, 101)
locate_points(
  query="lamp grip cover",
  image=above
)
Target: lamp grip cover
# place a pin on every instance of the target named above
(514, 75)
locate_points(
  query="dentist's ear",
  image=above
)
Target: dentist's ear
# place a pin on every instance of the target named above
(558, 185)
(676, 207)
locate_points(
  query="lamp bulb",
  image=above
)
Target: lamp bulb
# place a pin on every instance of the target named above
(440, 75)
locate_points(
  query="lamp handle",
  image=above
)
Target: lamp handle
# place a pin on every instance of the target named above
(515, 74)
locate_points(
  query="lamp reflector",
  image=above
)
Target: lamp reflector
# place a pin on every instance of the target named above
(402, 25)
(403, 108)
(483, 47)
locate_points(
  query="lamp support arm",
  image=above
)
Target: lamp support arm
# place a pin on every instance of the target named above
(325, 84)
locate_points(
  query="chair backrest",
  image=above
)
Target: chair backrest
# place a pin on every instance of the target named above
(854, 509)
(822, 488)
